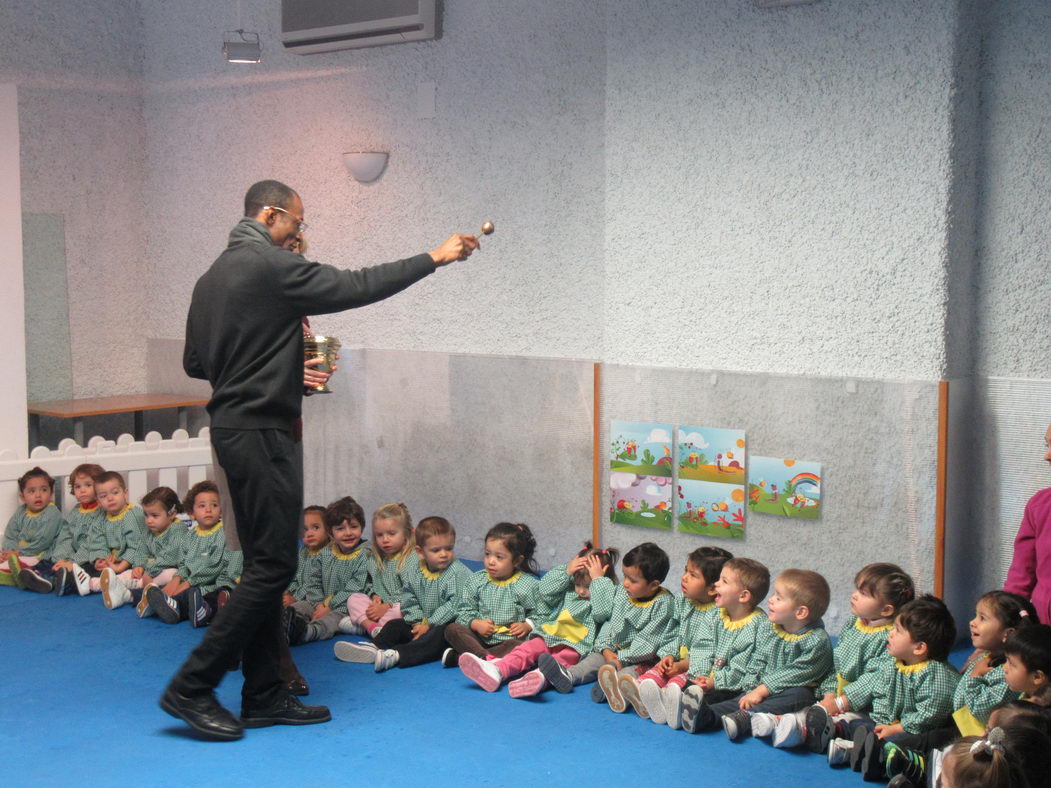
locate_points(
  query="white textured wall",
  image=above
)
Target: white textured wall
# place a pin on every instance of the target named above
(78, 70)
(777, 186)
(1014, 285)
(517, 139)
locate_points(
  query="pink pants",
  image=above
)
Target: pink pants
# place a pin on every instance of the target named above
(524, 657)
(359, 603)
(679, 680)
(160, 580)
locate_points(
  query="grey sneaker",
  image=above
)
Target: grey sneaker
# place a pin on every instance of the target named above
(737, 725)
(556, 673)
(364, 653)
(839, 751)
(692, 702)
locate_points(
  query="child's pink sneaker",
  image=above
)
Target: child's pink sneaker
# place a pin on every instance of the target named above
(482, 672)
(532, 683)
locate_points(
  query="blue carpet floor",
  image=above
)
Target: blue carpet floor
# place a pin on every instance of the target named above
(80, 696)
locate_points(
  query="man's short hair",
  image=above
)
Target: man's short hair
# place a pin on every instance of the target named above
(267, 193)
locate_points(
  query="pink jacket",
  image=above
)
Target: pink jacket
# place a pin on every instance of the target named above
(1030, 572)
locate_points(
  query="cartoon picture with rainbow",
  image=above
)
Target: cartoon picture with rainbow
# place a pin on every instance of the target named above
(791, 488)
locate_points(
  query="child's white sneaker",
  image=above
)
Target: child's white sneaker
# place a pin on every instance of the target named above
(348, 627)
(763, 723)
(672, 697)
(839, 752)
(482, 672)
(789, 731)
(610, 685)
(364, 653)
(650, 693)
(114, 593)
(386, 658)
(82, 579)
(529, 685)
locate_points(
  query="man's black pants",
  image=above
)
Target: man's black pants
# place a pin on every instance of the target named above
(266, 484)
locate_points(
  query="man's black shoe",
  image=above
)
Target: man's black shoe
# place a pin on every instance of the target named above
(297, 686)
(204, 714)
(286, 711)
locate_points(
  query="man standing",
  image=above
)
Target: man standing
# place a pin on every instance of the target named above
(244, 335)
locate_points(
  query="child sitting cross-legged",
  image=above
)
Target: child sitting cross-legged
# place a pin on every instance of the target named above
(392, 544)
(499, 601)
(314, 540)
(723, 659)
(339, 570)
(659, 688)
(579, 597)
(202, 563)
(792, 655)
(31, 534)
(430, 596)
(74, 538)
(913, 694)
(627, 643)
(164, 546)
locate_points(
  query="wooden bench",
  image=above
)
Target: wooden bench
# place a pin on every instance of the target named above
(136, 404)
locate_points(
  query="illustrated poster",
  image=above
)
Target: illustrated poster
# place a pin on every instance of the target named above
(791, 488)
(640, 478)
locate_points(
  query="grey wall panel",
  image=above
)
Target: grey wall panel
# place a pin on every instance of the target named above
(876, 440)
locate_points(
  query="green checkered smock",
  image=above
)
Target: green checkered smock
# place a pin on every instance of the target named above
(432, 597)
(503, 602)
(121, 536)
(385, 580)
(33, 535)
(979, 694)
(919, 696)
(635, 629)
(684, 627)
(793, 660)
(572, 621)
(74, 540)
(726, 650)
(307, 556)
(860, 653)
(203, 557)
(335, 575)
(233, 566)
(165, 550)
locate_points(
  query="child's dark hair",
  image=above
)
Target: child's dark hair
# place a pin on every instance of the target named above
(607, 555)
(928, 620)
(519, 540)
(35, 473)
(888, 583)
(753, 575)
(1022, 712)
(650, 560)
(166, 497)
(346, 508)
(1008, 756)
(89, 469)
(316, 509)
(109, 476)
(1032, 647)
(433, 526)
(205, 486)
(1013, 611)
(710, 561)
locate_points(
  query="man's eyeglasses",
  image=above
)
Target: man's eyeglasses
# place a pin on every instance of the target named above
(301, 226)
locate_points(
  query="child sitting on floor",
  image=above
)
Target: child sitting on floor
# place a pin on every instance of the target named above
(392, 544)
(31, 533)
(119, 542)
(627, 643)
(498, 601)
(1027, 667)
(913, 694)
(577, 606)
(794, 657)
(430, 594)
(723, 659)
(314, 539)
(201, 564)
(341, 569)
(659, 687)
(880, 590)
(1014, 756)
(164, 545)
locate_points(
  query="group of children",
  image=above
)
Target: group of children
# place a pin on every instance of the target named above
(883, 700)
(150, 555)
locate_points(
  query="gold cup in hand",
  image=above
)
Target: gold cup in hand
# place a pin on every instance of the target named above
(326, 349)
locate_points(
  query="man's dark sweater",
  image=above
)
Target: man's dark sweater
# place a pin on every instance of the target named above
(244, 334)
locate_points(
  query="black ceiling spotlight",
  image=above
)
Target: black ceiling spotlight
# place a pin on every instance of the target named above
(242, 47)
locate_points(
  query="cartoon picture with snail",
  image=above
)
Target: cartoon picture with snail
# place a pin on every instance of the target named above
(790, 488)
(640, 478)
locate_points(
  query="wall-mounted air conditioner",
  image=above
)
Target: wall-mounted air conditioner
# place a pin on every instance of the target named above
(309, 26)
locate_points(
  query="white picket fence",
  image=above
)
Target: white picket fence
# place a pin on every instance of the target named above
(178, 462)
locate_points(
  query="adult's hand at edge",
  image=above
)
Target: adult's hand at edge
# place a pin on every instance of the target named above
(457, 247)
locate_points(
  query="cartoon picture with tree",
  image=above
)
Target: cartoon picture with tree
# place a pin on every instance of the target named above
(709, 454)
(786, 487)
(640, 479)
(641, 448)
